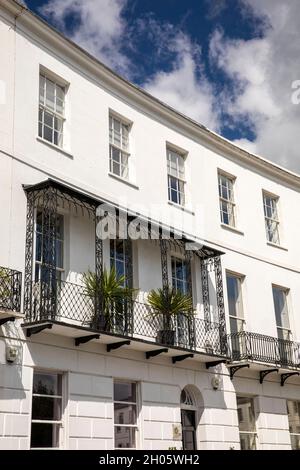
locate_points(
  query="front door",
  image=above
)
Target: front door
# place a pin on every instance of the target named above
(188, 422)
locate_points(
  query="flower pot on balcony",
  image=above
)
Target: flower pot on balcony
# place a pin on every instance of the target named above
(114, 295)
(166, 337)
(168, 306)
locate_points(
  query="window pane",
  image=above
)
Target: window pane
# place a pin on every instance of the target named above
(125, 437)
(234, 296)
(48, 119)
(48, 134)
(188, 418)
(293, 408)
(124, 413)
(280, 307)
(58, 124)
(125, 391)
(50, 90)
(246, 414)
(47, 384)
(236, 326)
(116, 154)
(116, 169)
(59, 254)
(295, 442)
(44, 435)
(42, 90)
(46, 408)
(248, 441)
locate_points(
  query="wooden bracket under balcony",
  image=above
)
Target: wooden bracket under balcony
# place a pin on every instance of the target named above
(181, 358)
(234, 369)
(215, 363)
(85, 339)
(38, 329)
(112, 346)
(264, 373)
(284, 377)
(155, 352)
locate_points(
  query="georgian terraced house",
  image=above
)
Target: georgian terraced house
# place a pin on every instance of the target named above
(74, 136)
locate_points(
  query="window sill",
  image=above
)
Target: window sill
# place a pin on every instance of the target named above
(123, 180)
(55, 147)
(232, 229)
(182, 208)
(280, 247)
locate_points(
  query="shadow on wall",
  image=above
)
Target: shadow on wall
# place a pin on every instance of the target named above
(11, 360)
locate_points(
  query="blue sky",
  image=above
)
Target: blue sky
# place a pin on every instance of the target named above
(228, 64)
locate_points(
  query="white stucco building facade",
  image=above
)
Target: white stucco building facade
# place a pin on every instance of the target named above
(74, 135)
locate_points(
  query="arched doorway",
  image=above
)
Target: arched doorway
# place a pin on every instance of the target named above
(189, 419)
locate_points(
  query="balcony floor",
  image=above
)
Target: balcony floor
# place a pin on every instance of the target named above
(136, 344)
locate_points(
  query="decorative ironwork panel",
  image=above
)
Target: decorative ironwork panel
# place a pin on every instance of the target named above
(220, 303)
(164, 262)
(205, 290)
(189, 326)
(29, 253)
(267, 349)
(98, 302)
(10, 289)
(49, 258)
(129, 283)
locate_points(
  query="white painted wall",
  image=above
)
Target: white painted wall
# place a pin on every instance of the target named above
(85, 164)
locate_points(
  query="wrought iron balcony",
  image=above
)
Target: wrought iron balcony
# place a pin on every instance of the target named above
(70, 304)
(265, 349)
(10, 290)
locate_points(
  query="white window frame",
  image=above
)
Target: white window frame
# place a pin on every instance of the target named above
(228, 201)
(177, 259)
(178, 177)
(241, 318)
(297, 434)
(247, 433)
(53, 112)
(122, 147)
(61, 422)
(284, 329)
(60, 270)
(136, 426)
(273, 233)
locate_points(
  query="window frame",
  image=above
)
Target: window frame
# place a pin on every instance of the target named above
(272, 220)
(240, 319)
(59, 270)
(248, 432)
(283, 329)
(123, 152)
(60, 423)
(137, 405)
(292, 434)
(230, 203)
(43, 109)
(175, 279)
(180, 180)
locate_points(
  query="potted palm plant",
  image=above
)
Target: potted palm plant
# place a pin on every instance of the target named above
(115, 296)
(167, 305)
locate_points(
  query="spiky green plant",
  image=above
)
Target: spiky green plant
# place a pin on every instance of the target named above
(169, 303)
(114, 292)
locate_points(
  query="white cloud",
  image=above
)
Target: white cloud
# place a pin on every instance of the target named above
(99, 27)
(185, 87)
(215, 8)
(261, 72)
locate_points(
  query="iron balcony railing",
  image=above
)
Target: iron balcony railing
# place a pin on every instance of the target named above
(10, 289)
(266, 349)
(70, 303)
